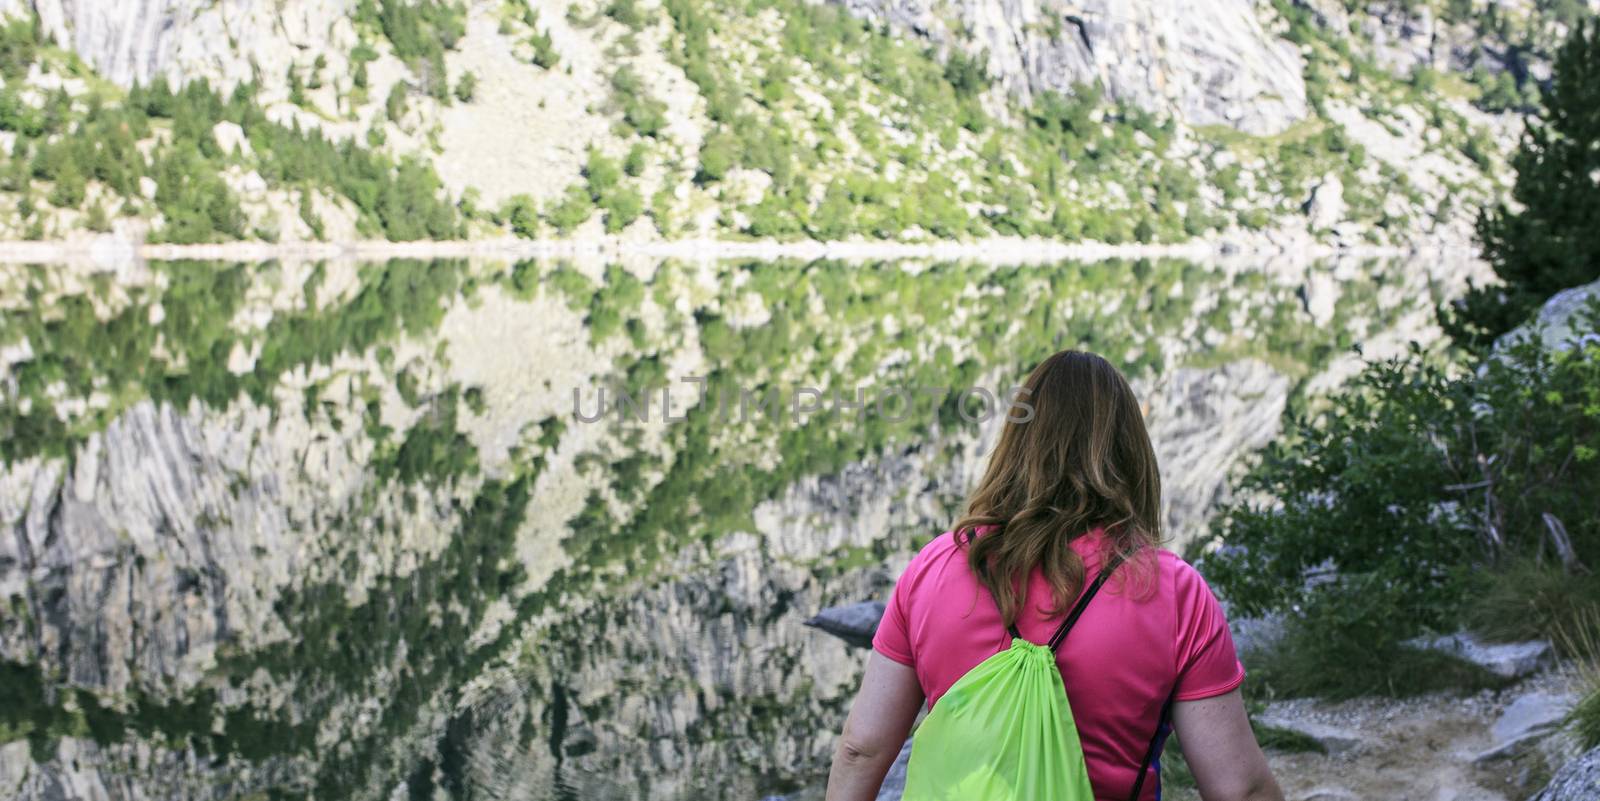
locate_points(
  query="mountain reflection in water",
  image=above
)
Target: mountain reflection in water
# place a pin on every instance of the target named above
(334, 530)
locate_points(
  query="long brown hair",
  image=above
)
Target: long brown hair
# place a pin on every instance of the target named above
(1082, 460)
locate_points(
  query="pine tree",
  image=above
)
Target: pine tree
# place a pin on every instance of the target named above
(69, 189)
(395, 105)
(1550, 243)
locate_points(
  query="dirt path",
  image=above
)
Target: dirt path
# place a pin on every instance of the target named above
(1419, 749)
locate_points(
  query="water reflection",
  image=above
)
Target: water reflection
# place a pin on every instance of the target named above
(333, 529)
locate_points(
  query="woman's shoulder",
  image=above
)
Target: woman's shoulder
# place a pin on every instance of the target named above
(938, 557)
(944, 543)
(1158, 574)
(1190, 594)
(1177, 574)
(935, 552)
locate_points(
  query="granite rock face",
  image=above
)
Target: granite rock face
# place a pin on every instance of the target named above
(1579, 780)
(1211, 62)
(137, 41)
(1202, 422)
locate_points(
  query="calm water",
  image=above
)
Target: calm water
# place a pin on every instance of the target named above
(346, 530)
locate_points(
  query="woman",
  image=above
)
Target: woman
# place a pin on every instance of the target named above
(1069, 489)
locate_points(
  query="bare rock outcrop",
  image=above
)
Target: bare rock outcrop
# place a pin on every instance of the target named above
(137, 41)
(1210, 62)
(1578, 780)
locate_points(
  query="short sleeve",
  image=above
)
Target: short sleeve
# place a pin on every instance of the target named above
(1208, 665)
(893, 638)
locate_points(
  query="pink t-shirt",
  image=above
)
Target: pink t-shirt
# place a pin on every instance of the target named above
(1153, 631)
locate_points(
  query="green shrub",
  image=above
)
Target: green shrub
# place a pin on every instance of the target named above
(1579, 637)
(1585, 716)
(1528, 598)
(602, 173)
(19, 44)
(309, 216)
(69, 188)
(634, 163)
(572, 210)
(297, 89)
(1348, 643)
(523, 217)
(646, 115)
(544, 48)
(96, 219)
(197, 205)
(627, 13)
(1416, 487)
(394, 106)
(467, 87)
(622, 206)
(420, 30)
(966, 74)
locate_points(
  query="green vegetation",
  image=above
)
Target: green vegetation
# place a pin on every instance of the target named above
(1021, 171)
(572, 210)
(184, 356)
(627, 12)
(1547, 244)
(607, 191)
(544, 51)
(1581, 640)
(634, 163)
(420, 31)
(93, 142)
(1418, 486)
(521, 213)
(1440, 492)
(801, 335)
(862, 133)
(394, 106)
(644, 114)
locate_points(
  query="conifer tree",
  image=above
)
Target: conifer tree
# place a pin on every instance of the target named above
(1551, 242)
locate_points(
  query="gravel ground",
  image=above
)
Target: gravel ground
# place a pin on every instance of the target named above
(1419, 749)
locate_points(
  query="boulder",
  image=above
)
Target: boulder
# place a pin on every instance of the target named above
(1508, 660)
(1527, 720)
(231, 137)
(1578, 780)
(1554, 324)
(1325, 208)
(1334, 740)
(855, 623)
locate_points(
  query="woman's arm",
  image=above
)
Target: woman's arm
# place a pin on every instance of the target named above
(879, 721)
(1221, 750)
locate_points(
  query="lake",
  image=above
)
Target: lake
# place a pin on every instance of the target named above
(550, 529)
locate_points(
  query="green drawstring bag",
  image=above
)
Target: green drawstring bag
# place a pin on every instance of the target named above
(1005, 732)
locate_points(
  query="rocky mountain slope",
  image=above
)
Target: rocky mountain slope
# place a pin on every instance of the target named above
(1152, 121)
